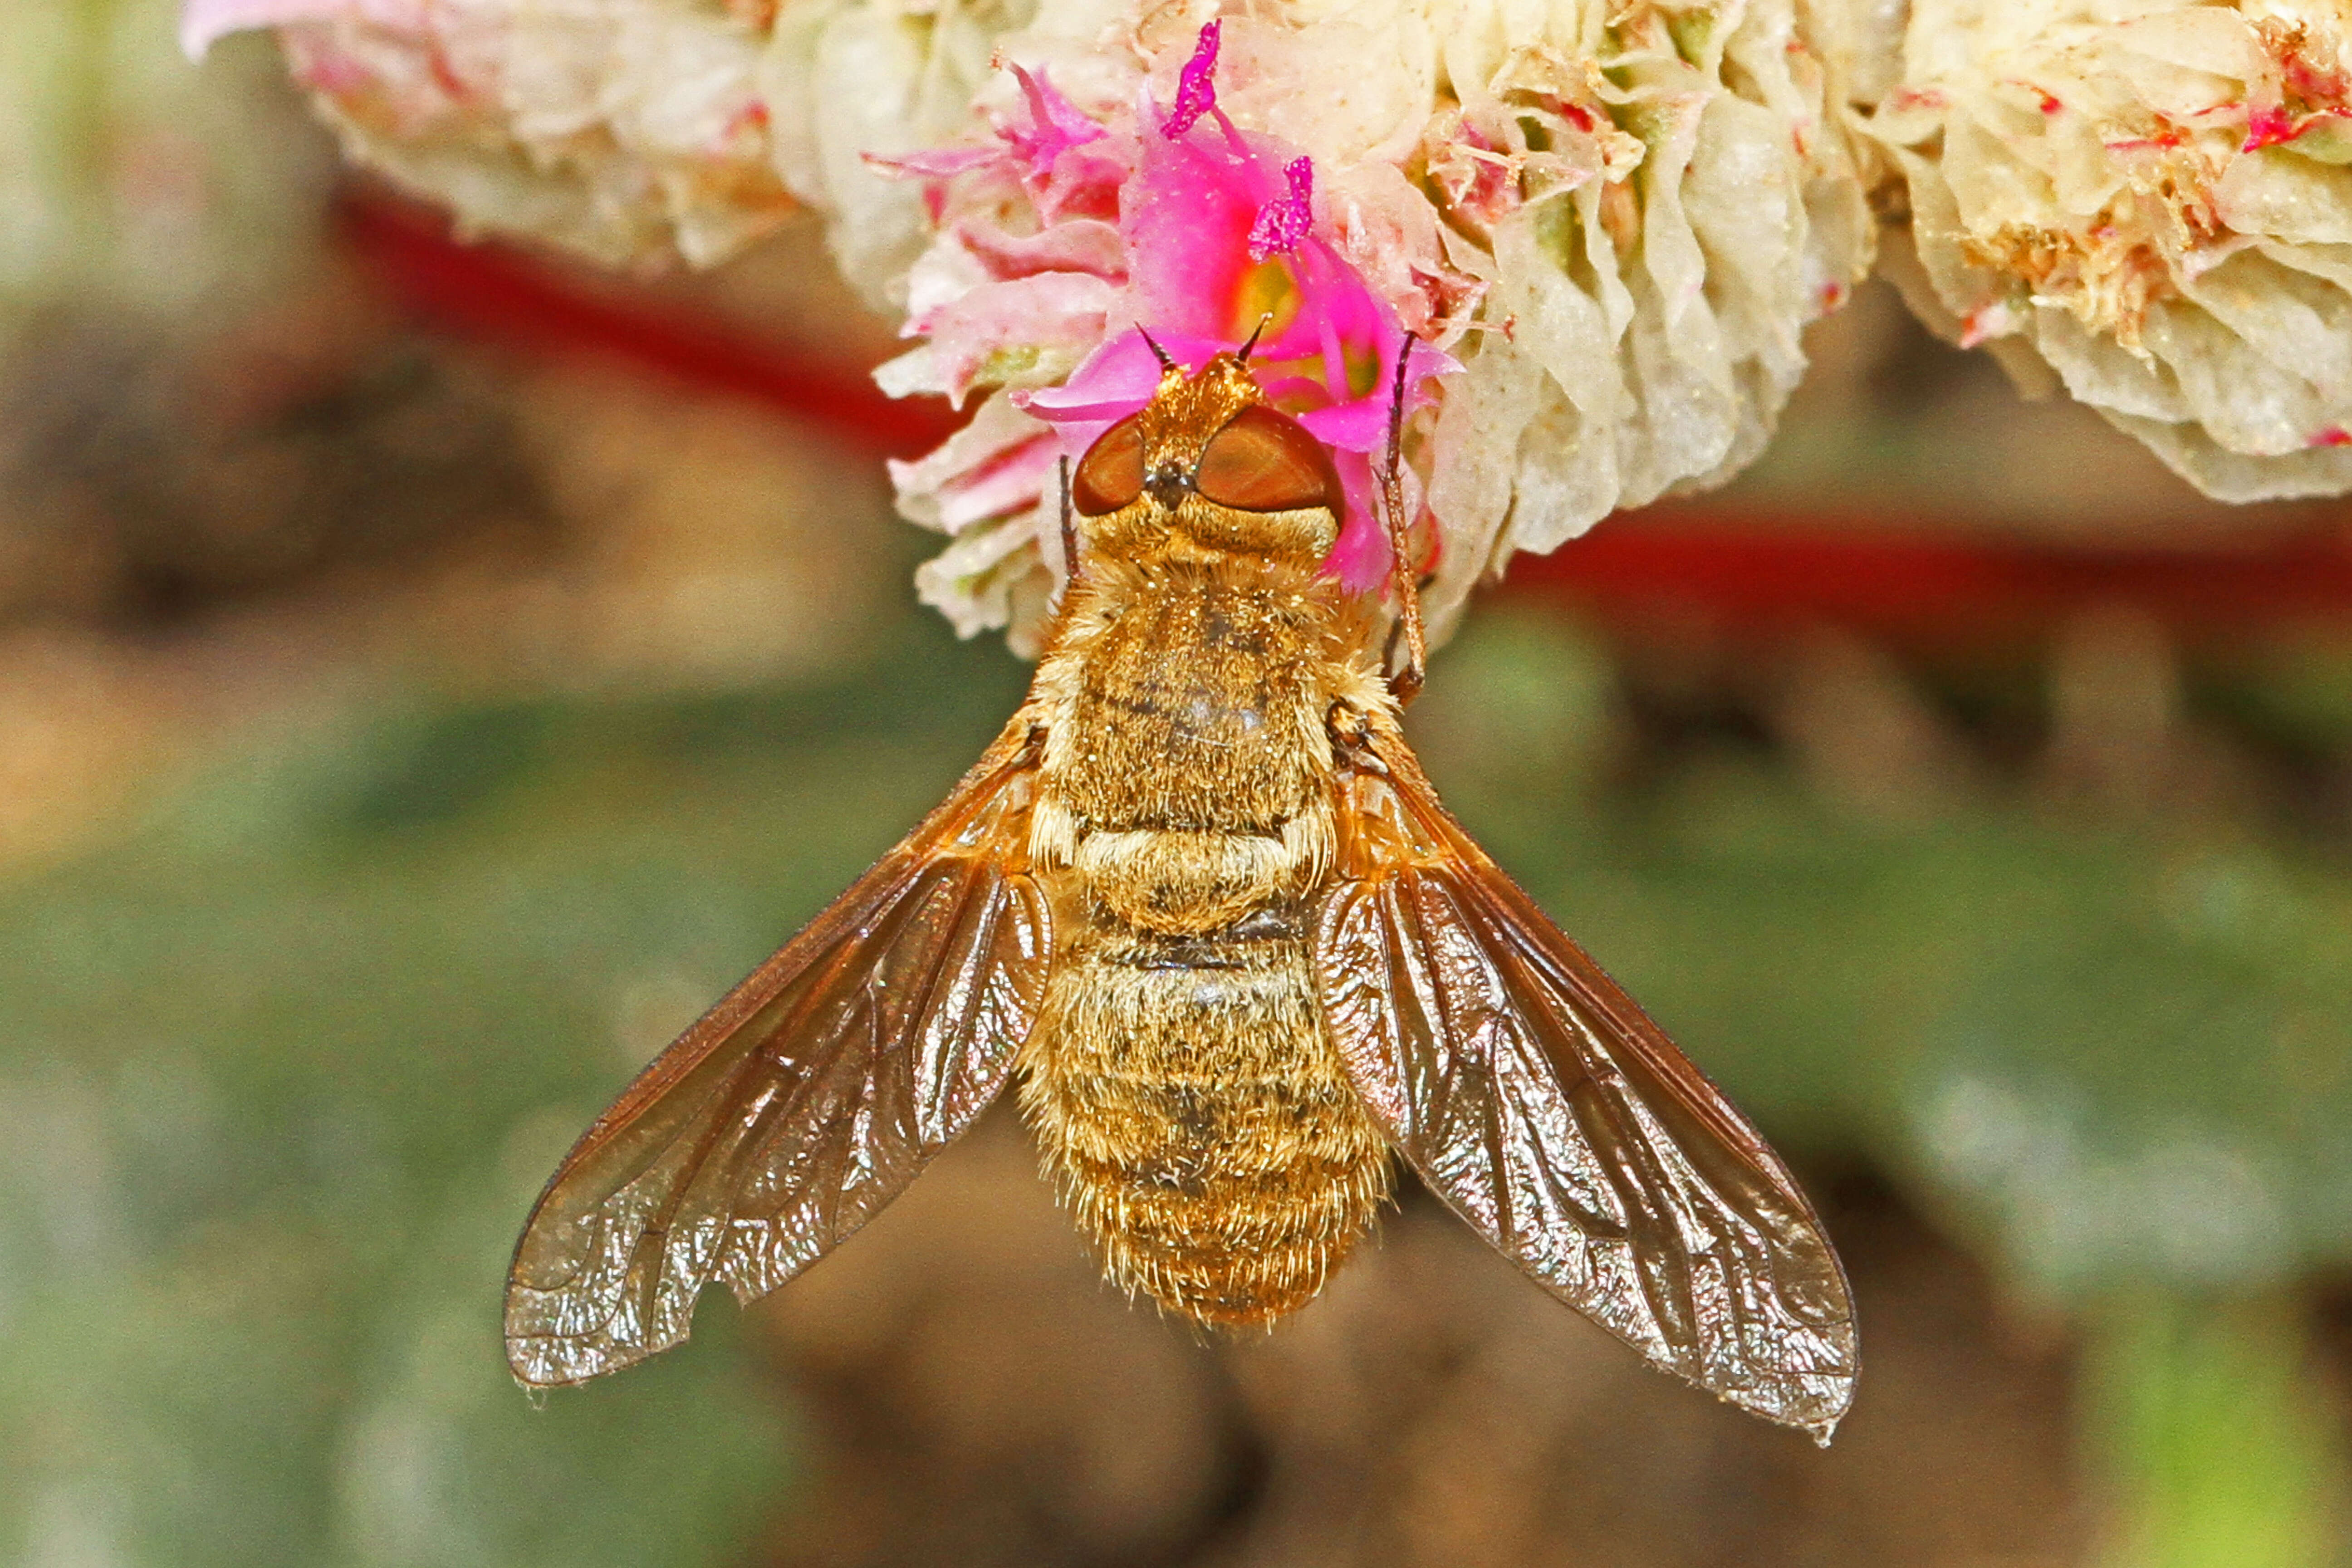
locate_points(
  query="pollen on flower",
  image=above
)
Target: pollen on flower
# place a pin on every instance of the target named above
(2106, 277)
(1283, 222)
(1196, 85)
(2174, 256)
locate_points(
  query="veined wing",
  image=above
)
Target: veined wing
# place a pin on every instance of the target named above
(805, 1100)
(1540, 1102)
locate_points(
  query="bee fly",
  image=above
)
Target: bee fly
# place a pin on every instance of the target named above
(1200, 899)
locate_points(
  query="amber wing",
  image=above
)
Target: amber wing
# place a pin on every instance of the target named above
(1540, 1102)
(804, 1100)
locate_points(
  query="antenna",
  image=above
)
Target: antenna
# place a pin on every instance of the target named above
(1069, 532)
(1157, 352)
(1257, 332)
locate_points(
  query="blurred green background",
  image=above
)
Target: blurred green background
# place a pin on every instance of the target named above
(402, 736)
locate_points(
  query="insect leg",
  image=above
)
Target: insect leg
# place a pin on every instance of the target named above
(1406, 682)
(1069, 532)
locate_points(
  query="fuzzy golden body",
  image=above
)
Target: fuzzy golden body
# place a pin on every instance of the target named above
(1200, 899)
(1189, 1103)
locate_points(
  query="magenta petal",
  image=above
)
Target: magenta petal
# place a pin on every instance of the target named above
(1116, 379)
(1187, 215)
(1358, 426)
(1056, 125)
(1362, 424)
(1359, 558)
(1054, 116)
(1121, 371)
(1082, 183)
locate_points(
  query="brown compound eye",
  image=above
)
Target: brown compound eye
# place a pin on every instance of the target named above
(1265, 461)
(1110, 475)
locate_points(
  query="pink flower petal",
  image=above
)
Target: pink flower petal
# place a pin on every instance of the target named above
(1054, 124)
(1050, 310)
(1362, 424)
(1065, 169)
(1187, 215)
(1009, 481)
(1084, 245)
(1082, 183)
(1359, 558)
(938, 164)
(1116, 379)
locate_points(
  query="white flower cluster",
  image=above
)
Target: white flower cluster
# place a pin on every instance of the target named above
(633, 128)
(1619, 215)
(2152, 199)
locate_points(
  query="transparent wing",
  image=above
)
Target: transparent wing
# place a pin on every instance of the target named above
(1540, 1102)
(804, 1100)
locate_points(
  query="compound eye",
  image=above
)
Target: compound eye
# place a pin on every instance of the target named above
(1265, 461)
(1110, 475)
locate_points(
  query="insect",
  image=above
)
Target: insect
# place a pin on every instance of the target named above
(1200, 899)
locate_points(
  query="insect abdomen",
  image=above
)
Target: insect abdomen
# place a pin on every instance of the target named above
(1188, 1100)
(1197, 1118)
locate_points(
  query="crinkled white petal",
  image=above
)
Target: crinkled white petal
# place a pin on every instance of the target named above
(1659, 197)
(633, 128)
(2153, 200)
(617, 127)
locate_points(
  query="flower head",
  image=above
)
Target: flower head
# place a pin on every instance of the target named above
(2148, 199)
(1215, 245)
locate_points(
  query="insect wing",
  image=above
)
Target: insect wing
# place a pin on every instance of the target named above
(802, 1103)
(1547, 1109)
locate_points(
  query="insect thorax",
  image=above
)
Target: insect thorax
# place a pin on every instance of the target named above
(1190, 700)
